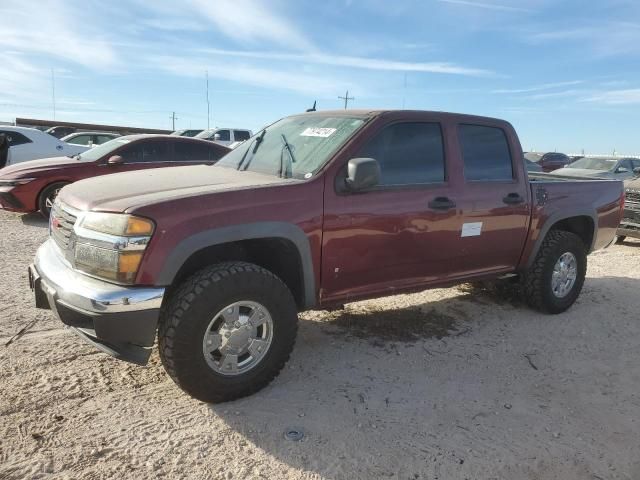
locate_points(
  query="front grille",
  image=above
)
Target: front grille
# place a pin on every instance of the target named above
(62, 222)
(632, 196)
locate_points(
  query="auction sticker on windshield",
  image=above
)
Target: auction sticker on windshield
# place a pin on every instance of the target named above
(318, 132)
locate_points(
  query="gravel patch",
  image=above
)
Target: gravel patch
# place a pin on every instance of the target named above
(448, 383)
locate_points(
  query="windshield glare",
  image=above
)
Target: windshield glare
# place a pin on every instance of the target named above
(100, 151)
(594, 163)
(313, 139)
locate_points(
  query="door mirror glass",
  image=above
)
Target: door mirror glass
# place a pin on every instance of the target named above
(217, 137)
(362, 173)
(115, 160)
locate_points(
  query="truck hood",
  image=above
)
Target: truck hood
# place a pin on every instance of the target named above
(120, 192)
(583, 173)
(25, 169)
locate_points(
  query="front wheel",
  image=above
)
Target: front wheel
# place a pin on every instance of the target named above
(554, 281)
(227, 331)
(47, 197)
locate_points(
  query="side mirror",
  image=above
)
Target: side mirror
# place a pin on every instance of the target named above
(216, 137)
(362, 173)
(622, 170)
(115, 160)
(636, 170)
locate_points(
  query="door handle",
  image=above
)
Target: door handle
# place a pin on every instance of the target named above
(441, 203)
(513, 199)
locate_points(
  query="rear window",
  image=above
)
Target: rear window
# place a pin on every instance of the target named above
(485, 151)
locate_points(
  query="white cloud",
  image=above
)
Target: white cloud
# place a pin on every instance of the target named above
(357, 62)
(616, 97)
(537, 88)
(486, 6)
(54, 28)
(250, 21)
(316, 84)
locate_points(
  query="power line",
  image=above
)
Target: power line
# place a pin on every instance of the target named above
(346, 99)
(173, 120)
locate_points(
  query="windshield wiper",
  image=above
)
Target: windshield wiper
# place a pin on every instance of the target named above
(292, 158)
(256, 145)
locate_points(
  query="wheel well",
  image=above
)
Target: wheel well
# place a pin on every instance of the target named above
(581, 226)
(278, 255)
(63, 182)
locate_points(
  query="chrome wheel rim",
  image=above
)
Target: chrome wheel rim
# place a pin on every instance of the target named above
(48, 202)
(237, 338)
(565, 273)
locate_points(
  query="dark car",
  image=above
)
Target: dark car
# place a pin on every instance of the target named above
(602, 167)
(314, 211)
(60, 132)
(186, 133)
(548, 161)
(32, 186)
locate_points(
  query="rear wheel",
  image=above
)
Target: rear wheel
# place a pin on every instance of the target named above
(227, 331)
(554, 281)
(47, 197)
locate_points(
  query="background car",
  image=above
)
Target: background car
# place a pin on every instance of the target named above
(33, 186)
(548, 161)
(602, 167)
(186, 133)
(532, 167)
(225, 136)
(89, 139)
(60, 131)
(30, 144)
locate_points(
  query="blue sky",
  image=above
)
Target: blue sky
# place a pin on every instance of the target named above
(565, 73)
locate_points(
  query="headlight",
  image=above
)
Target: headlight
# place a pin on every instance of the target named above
(15, 182)
(111, 245)
(117, 224)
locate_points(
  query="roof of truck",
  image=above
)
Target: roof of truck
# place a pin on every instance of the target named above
(399, 112)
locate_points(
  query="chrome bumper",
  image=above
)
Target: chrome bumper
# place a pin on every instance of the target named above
(120, 320)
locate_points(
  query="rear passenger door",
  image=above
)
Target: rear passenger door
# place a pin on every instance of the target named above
(400, 233)
(493, 201)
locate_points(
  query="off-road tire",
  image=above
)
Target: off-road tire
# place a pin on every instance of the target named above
(620, 239)
(188, 311)
(536, 282)
(45, 194)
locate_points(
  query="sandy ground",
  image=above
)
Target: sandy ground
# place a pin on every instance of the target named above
(446, 384)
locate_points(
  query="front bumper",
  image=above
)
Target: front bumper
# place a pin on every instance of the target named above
(119, 320)
(630, 224)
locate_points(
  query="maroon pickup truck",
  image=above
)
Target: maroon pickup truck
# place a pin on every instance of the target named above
(314, 211)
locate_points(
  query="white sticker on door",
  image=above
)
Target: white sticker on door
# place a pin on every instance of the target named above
(318, 132)
(471, 229)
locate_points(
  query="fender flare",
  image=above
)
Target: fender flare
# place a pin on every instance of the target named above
(217, 236)
(558, 217)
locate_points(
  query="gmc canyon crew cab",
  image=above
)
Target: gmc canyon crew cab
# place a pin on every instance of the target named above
(314, 211)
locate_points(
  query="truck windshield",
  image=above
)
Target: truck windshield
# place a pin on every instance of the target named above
(310, 142)
(594, 163)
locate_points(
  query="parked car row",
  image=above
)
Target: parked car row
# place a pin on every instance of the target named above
(316, 210)
(33, 186)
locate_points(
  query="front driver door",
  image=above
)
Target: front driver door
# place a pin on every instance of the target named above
(391, 237)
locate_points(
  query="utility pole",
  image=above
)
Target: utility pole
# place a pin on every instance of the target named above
(346, 99)
(53, 93)
(404, 92)
(208, 116)
(173, 120)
